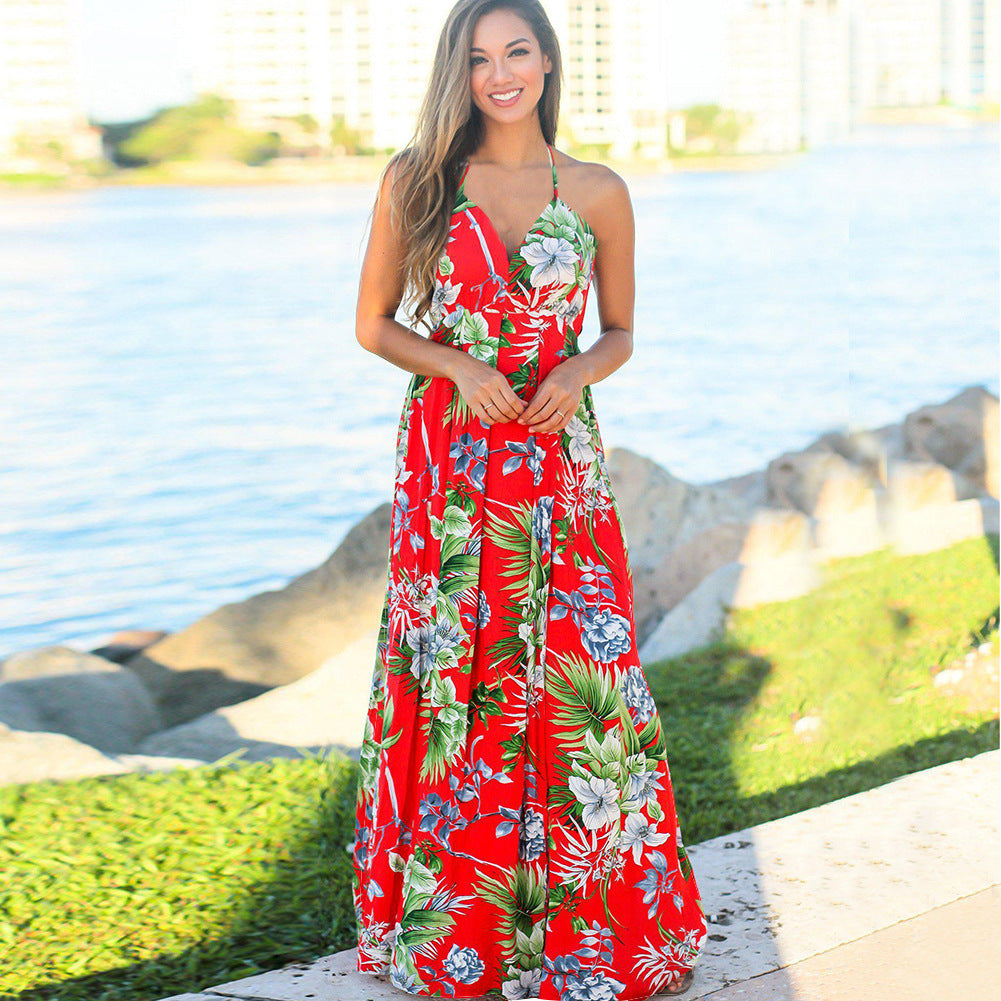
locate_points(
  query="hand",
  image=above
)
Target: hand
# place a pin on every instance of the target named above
(486, 391)
(561, 390)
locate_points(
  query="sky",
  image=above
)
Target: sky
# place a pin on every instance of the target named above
(135, 56)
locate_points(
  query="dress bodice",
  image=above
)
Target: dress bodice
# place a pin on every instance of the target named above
(492, 306)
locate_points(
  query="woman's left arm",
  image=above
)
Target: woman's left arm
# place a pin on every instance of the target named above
(611, 219)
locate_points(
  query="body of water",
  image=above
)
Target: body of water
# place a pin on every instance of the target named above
(187, 418)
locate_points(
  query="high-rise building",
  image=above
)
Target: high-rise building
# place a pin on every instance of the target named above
(787, 73)
(40, 98)
(969, 51)
(897, 56)
(366, 63)
(615, 74)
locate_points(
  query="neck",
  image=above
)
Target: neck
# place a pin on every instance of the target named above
(510, 150)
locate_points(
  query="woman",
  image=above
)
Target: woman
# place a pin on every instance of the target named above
(515, 829)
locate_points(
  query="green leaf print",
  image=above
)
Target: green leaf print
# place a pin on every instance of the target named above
(511, 532)
(444, 723)
(474, 330)
(586, 698)
(520, 896)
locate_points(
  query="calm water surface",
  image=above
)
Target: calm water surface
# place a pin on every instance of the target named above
(187, 418)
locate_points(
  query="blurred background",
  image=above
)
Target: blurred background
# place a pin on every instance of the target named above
(184, 199)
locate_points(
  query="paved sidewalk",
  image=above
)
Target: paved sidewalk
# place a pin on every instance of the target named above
(888, 894)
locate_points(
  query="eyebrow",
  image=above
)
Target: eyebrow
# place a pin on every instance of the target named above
(509, 44)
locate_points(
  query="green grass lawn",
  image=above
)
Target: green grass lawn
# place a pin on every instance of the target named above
(141, 886)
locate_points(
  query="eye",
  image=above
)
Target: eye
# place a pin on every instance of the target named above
(516, 51)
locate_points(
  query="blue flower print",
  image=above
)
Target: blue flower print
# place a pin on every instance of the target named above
(660, 879)
(464, 964)
(591, 985)
(636, 693)
(402, 516)
(605, 634)
(428, 640)
(470, 456)
(531, 836)
(482, 610)
(526, 985)
(542, 523)
(434, 810)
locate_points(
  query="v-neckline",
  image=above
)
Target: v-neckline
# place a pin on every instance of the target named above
(535, 222)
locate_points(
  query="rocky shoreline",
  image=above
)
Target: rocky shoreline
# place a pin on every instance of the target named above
(290, 670)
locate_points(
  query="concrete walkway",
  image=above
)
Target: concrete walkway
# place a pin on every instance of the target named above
(888, 895)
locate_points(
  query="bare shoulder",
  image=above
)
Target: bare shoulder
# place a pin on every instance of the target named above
(593, 190)
(394, 167)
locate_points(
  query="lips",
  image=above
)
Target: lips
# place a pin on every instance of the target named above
(509, 101)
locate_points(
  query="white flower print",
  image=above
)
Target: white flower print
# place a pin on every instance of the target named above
(552, 259)
(580, 447)
(639, 832)
(445, 293)
(525, 986)
(600, 798)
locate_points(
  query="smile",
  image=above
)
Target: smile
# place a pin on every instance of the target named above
(507, 97)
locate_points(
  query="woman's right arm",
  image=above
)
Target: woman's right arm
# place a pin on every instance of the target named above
(380, 292)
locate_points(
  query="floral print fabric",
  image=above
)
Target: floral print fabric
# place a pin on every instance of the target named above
(516, 830)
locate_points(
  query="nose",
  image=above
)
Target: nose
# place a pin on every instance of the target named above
(500, 76)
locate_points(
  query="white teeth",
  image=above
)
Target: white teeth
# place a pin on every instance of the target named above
(507, 96)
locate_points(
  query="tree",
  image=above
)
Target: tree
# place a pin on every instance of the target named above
(205, 129)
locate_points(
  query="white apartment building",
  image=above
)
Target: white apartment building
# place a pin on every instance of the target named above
(368, 61)
(615, 74)
(787, 73)
(897, 57)
(762, 81)
(969, 53)
(40, 95)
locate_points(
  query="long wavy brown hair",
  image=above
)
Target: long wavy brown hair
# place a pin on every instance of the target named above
(449, 127)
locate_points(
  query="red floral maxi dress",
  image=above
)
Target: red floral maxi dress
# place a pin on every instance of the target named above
(516, 829)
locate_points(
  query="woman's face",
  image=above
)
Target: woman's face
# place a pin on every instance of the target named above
(505, 61)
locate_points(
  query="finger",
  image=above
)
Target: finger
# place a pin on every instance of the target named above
(502, 405)
(514, 402)
(548, 411)
(536, 406)
(490, 412)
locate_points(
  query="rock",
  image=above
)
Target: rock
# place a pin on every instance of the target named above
(773, 541)
(703, 615)
(275, 637)
(913, 485)
(127, 642)
(110, 710)
(676, 532)
(962, 435)
(46, 661)
(922, 513)
(34, 756)
(323, 711)
(813, 481)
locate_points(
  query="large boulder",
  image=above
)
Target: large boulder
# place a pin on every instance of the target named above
(44, 661)
(273, 638)
(36, 755)
(324, 711)
(962, 435)
(110, 710)
(676, 532)
(840, 496)
(771, 560)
